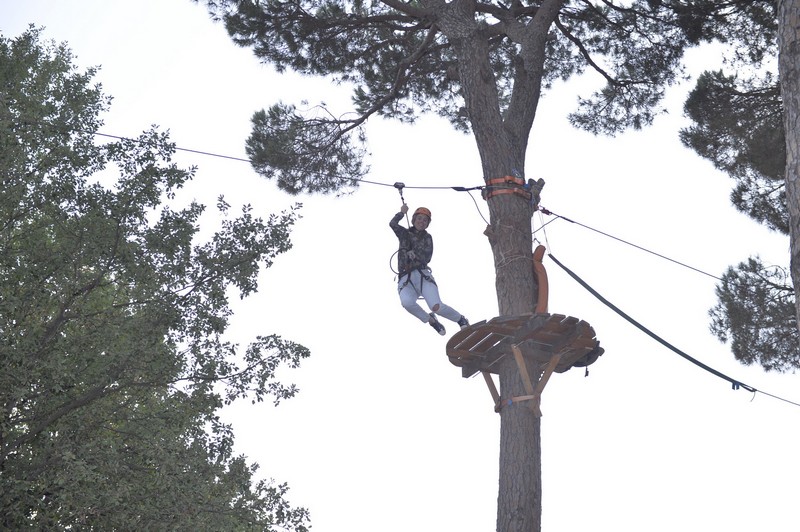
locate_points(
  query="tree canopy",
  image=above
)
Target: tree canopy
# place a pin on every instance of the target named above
(469, 62)
(737, 113)
(113, 316)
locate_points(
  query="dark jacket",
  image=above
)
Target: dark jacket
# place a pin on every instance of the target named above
(420, 242)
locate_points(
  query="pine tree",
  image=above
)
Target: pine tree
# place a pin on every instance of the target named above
(482, 65)
(743, 123)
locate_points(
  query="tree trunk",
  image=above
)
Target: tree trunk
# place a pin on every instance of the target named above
(519, 502)
(502, 143)
(788, 64)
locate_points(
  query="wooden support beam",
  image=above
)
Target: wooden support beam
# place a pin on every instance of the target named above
(523, 370)
(534, 394)
(492, 389)
(551, 366)
(535, 397)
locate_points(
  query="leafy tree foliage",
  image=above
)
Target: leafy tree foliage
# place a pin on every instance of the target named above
(738, 119)
(755, 303)
(112, 323)
(738, 124)
(741, 131)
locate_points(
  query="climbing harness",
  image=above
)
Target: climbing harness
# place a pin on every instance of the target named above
(407, 274)
(423, 277)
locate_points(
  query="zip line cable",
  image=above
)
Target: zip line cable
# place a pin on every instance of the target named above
(541, 209)
(360, 180)
(545, 211)
(398, 186)
(177, 148)
(735, 384)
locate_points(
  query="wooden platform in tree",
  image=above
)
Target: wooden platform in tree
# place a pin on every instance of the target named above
(540, 343)
(538, 337)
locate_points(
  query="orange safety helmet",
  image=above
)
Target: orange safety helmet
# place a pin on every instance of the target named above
(422, 210)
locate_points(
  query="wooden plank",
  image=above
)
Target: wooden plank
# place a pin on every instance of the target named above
(560, 342)
(486, 363)
(468, 343)
(489, 342)
(476, 354)
(480, 337)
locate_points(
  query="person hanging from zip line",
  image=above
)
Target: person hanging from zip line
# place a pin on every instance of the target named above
(414, 279)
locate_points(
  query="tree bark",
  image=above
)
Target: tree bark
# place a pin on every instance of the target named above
(788, 64)
(502, 140)
(519, 502)
(519, 499)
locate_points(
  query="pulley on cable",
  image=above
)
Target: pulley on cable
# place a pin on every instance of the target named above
(400, 186)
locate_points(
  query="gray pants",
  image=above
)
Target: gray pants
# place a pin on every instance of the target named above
(421, 284)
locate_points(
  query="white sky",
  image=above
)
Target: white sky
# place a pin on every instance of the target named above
(385, 435)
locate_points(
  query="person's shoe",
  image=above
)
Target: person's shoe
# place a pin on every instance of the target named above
(463, 323)
(438, 327)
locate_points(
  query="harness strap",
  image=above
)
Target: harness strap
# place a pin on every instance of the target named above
(423, 277)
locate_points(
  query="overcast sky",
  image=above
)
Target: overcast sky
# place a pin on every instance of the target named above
(385, 435)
